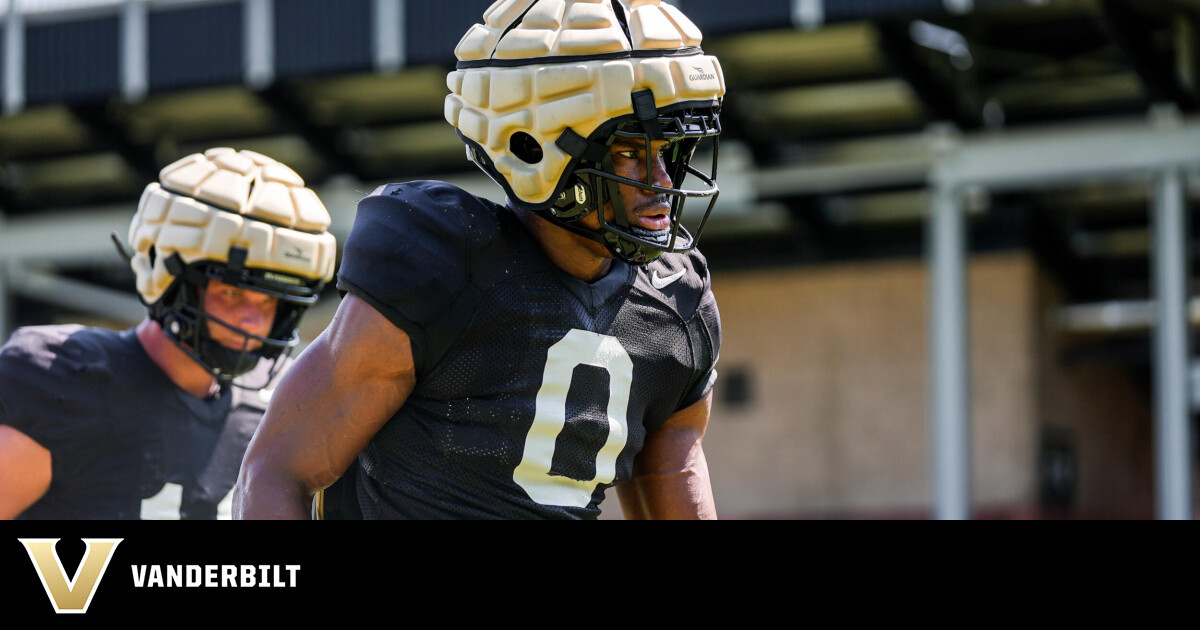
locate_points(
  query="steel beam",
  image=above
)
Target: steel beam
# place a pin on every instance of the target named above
(135, 73)
(949, 368)
(64, 238)
(1163, 151)
(1050, 157)
(14, 59)
(1171, 350)
(808, 14)
(73, 294)
(389, 35)
(259, 37)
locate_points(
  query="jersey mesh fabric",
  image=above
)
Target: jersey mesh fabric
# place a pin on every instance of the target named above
(116, 427)
(452, 449)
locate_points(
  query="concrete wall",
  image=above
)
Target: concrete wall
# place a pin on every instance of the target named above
(836, 357)
(833, 362)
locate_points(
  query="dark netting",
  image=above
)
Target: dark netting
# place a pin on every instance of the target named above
(462, 432)
(495, 325)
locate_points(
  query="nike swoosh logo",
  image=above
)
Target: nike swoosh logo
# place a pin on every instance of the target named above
(662, 283)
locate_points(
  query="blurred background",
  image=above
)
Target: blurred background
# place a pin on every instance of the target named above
(952, 251)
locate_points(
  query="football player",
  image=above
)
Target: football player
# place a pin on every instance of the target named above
(228, 249)
(515, 361)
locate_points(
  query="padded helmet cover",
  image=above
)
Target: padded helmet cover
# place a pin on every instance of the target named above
(208, 203)
(236, 216)
(541, 67)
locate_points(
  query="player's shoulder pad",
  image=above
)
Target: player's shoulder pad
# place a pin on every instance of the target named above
(59, 368)
(410, 252)
(428, 215)
(71, 345)
(681, 280)
(431, 196)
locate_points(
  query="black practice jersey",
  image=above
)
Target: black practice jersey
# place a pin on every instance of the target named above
(534, 390)
(125, 442)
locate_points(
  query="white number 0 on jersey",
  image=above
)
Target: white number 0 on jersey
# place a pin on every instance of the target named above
(578, 347)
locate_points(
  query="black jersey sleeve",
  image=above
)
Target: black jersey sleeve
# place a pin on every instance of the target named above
(408, 255)
(44, 391)
(704, 332)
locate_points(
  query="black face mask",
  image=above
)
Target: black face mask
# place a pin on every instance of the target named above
(183, 320)
(594, 182)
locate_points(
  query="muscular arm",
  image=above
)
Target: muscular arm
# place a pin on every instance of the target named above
(24, 472)
(670, 475)
(341, 390)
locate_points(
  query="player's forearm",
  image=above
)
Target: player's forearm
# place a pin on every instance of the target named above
(287, 462)
(291, 457)
(684, 494)
(289, 449)
(283, 464)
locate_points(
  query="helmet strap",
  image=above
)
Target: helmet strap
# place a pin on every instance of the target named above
(646, 112)
(180, 313)
(235, 265)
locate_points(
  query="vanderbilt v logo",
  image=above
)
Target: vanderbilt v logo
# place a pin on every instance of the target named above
(75, 595)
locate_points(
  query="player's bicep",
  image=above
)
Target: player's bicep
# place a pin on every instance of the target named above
(673, 445)
(670, 474)
(24, 472)
(336, 396)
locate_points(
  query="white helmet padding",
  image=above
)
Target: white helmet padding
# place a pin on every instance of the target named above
(542, 85)
(239, 217)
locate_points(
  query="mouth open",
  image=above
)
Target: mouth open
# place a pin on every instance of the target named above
(651, 217)
(652, 222)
